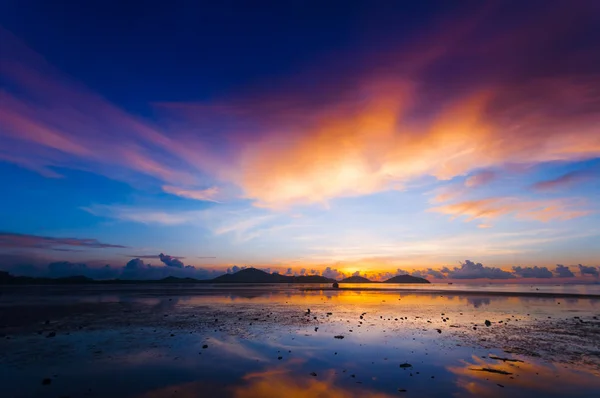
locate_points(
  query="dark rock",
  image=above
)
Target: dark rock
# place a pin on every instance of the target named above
(46, 381)
(313, 374)
(488, 323)
(51, 334)
(335, 285)
(205, 346)
(405, 365)
(439, 330)
(338, 337)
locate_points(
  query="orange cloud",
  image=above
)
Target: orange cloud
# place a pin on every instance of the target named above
(490, 208)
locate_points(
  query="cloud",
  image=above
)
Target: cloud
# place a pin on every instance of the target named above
(170, 261)
(208, 194)
(588, 270)
(492, 208)
(145, 216)
(435, 273)
(333, 273)
(13, 240)
(61, 269)
(564, 181)
(480, 178)
(425, 112)
(532, 272)
(563, 272)
(157, 256)
(234, 269)
(471, 270)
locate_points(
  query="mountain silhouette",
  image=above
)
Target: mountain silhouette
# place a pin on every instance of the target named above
(253, 275)
(406, 279)
(356, 279)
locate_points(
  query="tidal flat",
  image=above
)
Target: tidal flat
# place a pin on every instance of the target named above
(299, 341)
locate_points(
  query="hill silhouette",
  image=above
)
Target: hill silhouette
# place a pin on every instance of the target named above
(356, 279)
(247, 275)
(253, 275)
(406, 279)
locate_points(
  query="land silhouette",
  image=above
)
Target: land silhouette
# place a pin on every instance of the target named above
(246, 275)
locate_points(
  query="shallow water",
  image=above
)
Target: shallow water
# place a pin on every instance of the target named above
(147, 341)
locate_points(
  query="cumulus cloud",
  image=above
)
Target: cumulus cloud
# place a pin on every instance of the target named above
(170, 261)
(436, 273)
(563, 271)
(13, 240)
(471, 270)
(532, 272)
(233, 269)
(333, 273)
(588, 270)
(61, 269)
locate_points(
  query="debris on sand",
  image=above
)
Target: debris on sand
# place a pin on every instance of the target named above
(504, 359)
(405, 365)
(46, 381)
(338, 337)
(313, 374)
(488, 323)
(490, 370)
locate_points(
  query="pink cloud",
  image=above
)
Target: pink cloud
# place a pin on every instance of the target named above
(564, 181)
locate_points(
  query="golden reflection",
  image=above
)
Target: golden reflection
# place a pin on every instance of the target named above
(282, 382)
(529, 375)
(274, 382)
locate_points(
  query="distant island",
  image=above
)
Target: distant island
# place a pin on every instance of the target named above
(395, 279)
(356, 279)
(247, 275)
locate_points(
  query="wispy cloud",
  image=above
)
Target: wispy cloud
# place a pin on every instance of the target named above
(145, 216)
(491, 208)
(363, 133)
(208, 194)
(12, 240)
(565, 180)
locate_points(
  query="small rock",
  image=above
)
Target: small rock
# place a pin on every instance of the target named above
(51, 334)
(313, 374)
(488, 323)
(205, 346)
(338, 337)
(46, 381)
(405, 365)
(439, 330)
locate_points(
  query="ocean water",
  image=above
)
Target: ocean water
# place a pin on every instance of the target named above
(287, 341)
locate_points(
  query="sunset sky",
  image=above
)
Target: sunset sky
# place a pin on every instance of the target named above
(301, 138)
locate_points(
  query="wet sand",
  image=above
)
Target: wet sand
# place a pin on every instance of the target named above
(252, 342)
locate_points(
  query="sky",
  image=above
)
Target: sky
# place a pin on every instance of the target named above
(452, 140)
